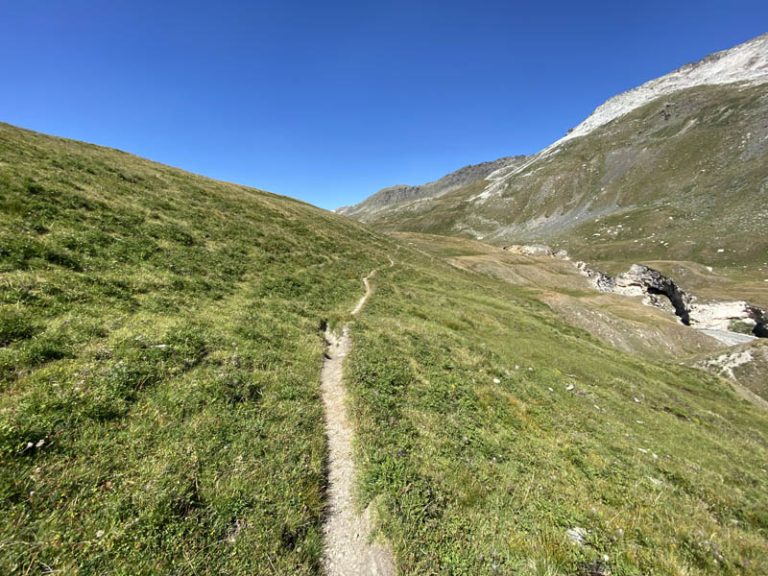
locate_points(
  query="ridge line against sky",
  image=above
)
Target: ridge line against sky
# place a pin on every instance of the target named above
(329, 102)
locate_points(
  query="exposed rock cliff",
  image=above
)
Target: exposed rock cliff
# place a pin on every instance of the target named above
(732, 322)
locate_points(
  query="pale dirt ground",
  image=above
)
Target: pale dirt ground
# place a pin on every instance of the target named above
(349, 549)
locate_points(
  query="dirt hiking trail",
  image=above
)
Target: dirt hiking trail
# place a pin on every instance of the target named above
(349, 550)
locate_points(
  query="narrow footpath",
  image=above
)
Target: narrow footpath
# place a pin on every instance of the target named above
(349, 550)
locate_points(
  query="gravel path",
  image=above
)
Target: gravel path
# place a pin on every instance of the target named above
(349, 550)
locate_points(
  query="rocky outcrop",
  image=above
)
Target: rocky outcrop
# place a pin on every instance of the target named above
(537, 250)
(530, 249)
(657, 289)
(600, 281)
(761, 321)
(736, 316)
(732, 322)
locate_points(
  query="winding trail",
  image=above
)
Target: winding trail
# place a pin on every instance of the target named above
(349, 550)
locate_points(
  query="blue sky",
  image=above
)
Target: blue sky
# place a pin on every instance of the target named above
(330, 101)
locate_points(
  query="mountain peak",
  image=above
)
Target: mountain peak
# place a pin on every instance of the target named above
(747, 62)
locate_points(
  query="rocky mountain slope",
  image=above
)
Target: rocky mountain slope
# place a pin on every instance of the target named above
(746, 63)
(464, 179)
(676, 169)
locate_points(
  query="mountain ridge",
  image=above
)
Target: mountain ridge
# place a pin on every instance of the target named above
(403, 193)
(746, 62)
(683, 176)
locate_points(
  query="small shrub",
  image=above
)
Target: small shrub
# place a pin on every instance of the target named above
(45, 348)
(34, 188)
(741, 327)
(15, 325)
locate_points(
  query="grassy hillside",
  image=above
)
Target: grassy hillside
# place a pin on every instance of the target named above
(159, 365)
(624, 323)
(491, 428)
(160, 353)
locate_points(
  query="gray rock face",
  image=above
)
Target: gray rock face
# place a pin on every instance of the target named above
(717, 319)
(727, 316)
(654, 284)
(600, 281)
(761, 322)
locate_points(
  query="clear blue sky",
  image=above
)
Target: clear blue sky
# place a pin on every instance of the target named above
(330, 101)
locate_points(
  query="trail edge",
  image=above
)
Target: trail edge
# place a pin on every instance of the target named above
(349, 549)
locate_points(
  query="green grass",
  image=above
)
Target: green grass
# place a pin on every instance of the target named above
(159, 365)
(160, 354)
(485, 457)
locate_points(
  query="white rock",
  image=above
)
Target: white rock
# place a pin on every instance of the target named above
(577, 535)
(727, 363)
(718, 315)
